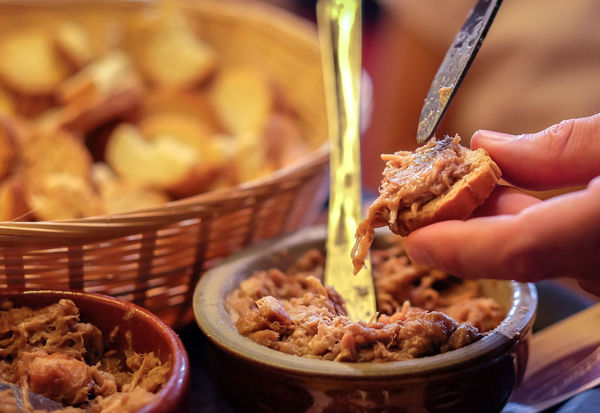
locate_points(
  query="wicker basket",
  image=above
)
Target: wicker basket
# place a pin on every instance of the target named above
(154, 257)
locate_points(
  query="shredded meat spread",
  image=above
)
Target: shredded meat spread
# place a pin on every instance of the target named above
(423, 311)
(48, 351)
(410, 180)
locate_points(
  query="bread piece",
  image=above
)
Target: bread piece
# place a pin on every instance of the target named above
(13, 202)
(8, 147)
(193, 104)
(163, 162)
(61, 196)
(30, 63)
(106, 89)
(441, 180)
(73, 44)
(43, 154)
(119, 196)
(243, 100)
(170, 55)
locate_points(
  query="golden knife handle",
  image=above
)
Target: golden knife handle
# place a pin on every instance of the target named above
(340, 34)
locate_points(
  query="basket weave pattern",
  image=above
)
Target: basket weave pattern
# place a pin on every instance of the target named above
(154, 257)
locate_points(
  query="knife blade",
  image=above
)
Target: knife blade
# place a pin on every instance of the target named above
(454, 67)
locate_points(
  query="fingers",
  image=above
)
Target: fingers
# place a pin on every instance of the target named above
(559, 237)
(505, 200)
(562, 155)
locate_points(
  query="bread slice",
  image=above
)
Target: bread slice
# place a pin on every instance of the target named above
(13, 202)
(163, 162)
(60, 196)
(170, 55)
(243, 100)
(120, 196)
(441, 180)
(74, 44)
(30, 64)
(106, 89)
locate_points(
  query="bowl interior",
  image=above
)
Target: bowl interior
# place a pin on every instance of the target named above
(518, 299)
(148, 334)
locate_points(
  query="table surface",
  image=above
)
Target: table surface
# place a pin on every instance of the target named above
(205, 396)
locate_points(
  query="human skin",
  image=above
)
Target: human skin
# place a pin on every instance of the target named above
(515, 235)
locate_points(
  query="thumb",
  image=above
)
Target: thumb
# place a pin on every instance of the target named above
(563, 155)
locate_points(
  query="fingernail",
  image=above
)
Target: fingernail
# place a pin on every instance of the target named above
(489, 135)
(420, 256)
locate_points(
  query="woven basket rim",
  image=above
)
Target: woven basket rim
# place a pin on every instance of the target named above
(147, 219)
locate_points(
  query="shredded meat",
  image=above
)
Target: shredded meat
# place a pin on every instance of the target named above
(410, 180)
(423, 311)
(50, 352)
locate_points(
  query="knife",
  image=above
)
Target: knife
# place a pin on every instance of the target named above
(454, 67)
(564, 360)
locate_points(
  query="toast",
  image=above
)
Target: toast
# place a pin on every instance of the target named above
(439, 181)
(74, 44)
(170, 55)
(243, 100)
(163, 163)
(30, 63)
(106, 89)
(119, 196)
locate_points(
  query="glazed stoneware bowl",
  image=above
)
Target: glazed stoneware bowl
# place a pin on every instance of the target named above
(477, 378)
(148, 333)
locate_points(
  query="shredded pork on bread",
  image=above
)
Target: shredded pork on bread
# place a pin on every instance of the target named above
(439, 180)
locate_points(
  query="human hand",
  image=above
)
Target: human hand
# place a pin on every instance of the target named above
(517, 236)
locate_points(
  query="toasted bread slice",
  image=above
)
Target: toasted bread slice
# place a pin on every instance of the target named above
(106, 89)
(30, 64)
(8, 146)
(119, 196)
(441, 180)
(170, 55)
(243, 100)
(43, 154)
(163, 162)
(60, 196)
(74, 44)
(13, 202)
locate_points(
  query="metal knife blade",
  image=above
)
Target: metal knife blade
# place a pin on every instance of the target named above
(458, 58)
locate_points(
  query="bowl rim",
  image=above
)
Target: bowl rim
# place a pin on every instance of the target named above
(215, 322)
(174, 390)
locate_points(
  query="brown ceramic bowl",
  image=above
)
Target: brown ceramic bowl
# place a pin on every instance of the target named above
(477, 378)
(149, 333)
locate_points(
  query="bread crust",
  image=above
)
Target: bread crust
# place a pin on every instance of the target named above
(457, 202)
(460, 201)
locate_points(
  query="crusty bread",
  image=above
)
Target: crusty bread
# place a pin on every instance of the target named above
(243, 100)
(120, 196)
(13, 202)
(460, 201)
(170, 55)
(74, 44)
(30, 63)
(163, 162)
(106, 89)
(439, 181)
(60, 196)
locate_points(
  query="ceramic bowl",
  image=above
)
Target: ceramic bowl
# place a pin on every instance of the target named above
(476, 378)
(149, 333)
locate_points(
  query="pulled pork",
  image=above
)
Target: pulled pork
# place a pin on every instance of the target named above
(48, 351)
(423, 311)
